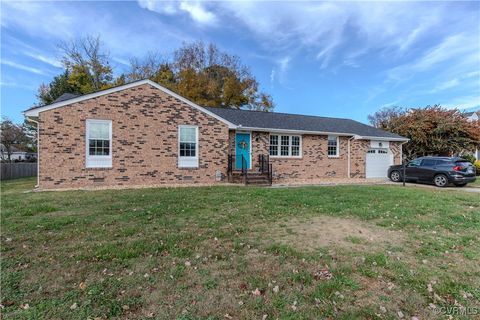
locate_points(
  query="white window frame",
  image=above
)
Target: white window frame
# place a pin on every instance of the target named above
(337, 154)
(279, 145)
(188, 162)
(95, 161)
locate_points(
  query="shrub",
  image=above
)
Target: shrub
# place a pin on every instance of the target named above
(477, 165)
(469, 157)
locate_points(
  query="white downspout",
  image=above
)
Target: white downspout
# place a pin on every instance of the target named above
(401, 151)
(349, 160)
(38, 150)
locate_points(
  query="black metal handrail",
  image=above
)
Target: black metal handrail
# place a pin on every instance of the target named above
(231, 166)
(264, 166)
(244, 169)
(264, 163)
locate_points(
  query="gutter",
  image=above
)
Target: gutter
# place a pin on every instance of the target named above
(349, 158)
(401, 150)
(340, 134)
(38, 149)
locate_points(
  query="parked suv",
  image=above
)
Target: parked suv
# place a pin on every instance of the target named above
(440, 171)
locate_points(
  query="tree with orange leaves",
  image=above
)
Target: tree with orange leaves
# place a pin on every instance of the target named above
(432, 130)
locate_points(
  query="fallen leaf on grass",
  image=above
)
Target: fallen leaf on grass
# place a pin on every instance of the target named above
(294, 306)
(324, 274)
(8, 303)
(258, 292)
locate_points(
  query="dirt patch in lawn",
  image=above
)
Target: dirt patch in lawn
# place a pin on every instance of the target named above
(327, 231)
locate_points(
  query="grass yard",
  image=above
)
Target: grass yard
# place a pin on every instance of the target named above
(341, 252)
(476, 183)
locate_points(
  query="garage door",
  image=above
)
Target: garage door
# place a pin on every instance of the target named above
(378, 161)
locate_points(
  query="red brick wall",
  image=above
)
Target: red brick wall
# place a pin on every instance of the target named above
(144, 141)
(396, 149)
(314, 163)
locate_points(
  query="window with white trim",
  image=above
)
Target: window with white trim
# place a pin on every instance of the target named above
(332, 146)
(285, 146)
(187, 146)
(99, 143)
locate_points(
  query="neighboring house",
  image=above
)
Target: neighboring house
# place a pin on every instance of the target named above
(144, 134)
(474, 116)
(17, 154)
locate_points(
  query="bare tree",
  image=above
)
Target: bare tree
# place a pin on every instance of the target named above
(11, 134)
(86, 56)
(145, 68)
(383, 117)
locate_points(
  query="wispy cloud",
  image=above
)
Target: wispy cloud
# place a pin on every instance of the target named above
(45, 59)
(446, 85)
(23, 67)
(458, 45)
(198, 13)
(69, 20)
(465, 102)
(272, 78)
(13, 84)
(196, 10)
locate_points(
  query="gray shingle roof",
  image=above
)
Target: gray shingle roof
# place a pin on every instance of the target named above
(286, 121)
(65, 96)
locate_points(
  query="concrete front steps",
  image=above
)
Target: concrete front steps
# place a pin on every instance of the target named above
(252, 178)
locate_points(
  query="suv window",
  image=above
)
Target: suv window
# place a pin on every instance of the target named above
(414, 163)
(428, 162)
(443, 162)
(463, 163)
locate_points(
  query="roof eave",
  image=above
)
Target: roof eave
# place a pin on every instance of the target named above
(346, 134)
(401, 139)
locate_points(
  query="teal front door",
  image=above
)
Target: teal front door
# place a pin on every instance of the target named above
(242, 150)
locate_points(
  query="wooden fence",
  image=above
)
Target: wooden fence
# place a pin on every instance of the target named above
(18, 170)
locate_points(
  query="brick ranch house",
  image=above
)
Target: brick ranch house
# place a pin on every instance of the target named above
(142, 134)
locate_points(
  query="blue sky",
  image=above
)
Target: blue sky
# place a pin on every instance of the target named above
(339, 59)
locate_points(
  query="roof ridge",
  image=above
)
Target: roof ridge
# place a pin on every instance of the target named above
(285, 113)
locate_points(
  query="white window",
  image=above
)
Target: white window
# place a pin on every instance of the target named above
(187, 146)
(285, 146)
(98, 143)
(332, 146)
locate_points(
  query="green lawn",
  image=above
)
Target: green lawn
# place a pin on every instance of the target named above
(341, 252)
(476, 183)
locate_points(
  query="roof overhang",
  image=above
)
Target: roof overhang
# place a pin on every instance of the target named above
(36, 111)
(342, 134)
(383, 138)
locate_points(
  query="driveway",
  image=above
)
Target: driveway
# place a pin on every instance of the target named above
(410, 184)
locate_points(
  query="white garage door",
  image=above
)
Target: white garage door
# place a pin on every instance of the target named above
(378, 161)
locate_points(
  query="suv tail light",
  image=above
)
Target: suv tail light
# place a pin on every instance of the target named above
(458, 168)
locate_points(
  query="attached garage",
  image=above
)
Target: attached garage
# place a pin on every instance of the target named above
(378, 159)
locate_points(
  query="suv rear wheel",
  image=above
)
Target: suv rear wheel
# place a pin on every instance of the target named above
(395, 176)
(440, 180)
